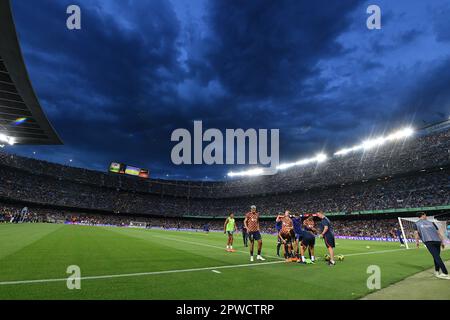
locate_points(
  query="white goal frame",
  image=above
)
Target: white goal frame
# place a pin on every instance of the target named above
(137, 224)
(442, 225)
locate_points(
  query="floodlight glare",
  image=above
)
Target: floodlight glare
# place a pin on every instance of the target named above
(372, 143)
(321, 157)
(252, 172)
(9, 140)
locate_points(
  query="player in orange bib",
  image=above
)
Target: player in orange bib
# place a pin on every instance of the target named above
(287, 235)
(251, 223)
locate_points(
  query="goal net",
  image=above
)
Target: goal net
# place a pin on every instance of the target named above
(407, 229)
(136, 224)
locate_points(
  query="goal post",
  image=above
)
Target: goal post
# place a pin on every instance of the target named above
(407, 228)
(137, 224)
(403, 232)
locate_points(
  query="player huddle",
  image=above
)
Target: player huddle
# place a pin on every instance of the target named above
(295, 235)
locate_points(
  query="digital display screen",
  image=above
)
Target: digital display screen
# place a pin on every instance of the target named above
(114, 167)
(121, 168)
(143, 173)
(132, 171)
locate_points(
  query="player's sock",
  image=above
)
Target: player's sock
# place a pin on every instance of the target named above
(303, 259)
(228, 247)
(278, 249)
(313, 258)
(231, 247)
(259, 252)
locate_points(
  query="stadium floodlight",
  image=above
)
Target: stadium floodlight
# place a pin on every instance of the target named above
(400, 134)
(372, 143)
(252, 172)
(321, 157)
(345, 151)
(9, 140)
(376, 142)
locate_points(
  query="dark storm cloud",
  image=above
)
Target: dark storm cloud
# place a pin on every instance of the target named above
(100, 83)
(441, 23)
(266, 48)
(429, 99)
(409, 36)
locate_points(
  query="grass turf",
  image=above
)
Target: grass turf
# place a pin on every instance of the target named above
(44, 251)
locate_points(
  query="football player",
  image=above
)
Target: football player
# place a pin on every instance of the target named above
(251, 223)
(229, 228)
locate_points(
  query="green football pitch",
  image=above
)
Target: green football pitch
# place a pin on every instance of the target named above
(125, 263)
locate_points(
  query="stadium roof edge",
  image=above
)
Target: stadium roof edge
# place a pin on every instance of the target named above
(17, 96)
(436, 126)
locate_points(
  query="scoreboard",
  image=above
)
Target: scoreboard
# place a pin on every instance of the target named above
(122, 168)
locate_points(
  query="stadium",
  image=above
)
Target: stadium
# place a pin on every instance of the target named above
(138, 237)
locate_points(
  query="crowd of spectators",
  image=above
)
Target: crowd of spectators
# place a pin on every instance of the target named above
(408, 174)
(343, 227)
(422, 151)
(421, 189)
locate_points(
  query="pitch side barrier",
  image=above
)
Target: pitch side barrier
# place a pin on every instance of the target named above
(331, 214)
(370, 238)
(220, 231)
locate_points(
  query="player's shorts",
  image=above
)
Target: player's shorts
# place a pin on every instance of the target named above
(299, 236)
(329, 240)
(254, 236)
(308, 239)
(230, 233)
(288, 236)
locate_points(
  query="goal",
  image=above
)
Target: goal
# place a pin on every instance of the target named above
(136, 224)
(407, 228)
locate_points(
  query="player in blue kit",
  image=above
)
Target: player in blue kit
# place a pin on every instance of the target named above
(308, 240)
(297, 221)
(278, 225)
(399, 235)
(328, 236)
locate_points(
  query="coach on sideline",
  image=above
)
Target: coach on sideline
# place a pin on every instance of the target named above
(433, 240)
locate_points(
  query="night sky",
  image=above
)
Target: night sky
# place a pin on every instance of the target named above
(137, 70)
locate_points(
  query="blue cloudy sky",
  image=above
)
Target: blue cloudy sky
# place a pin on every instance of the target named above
(137, 70)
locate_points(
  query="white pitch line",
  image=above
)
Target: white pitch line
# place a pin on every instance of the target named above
(215, 271)
(141, 273)
(372, 252)
(171, 271)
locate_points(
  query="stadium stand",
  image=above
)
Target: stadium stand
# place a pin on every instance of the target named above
(409, 174)
(367, 227)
